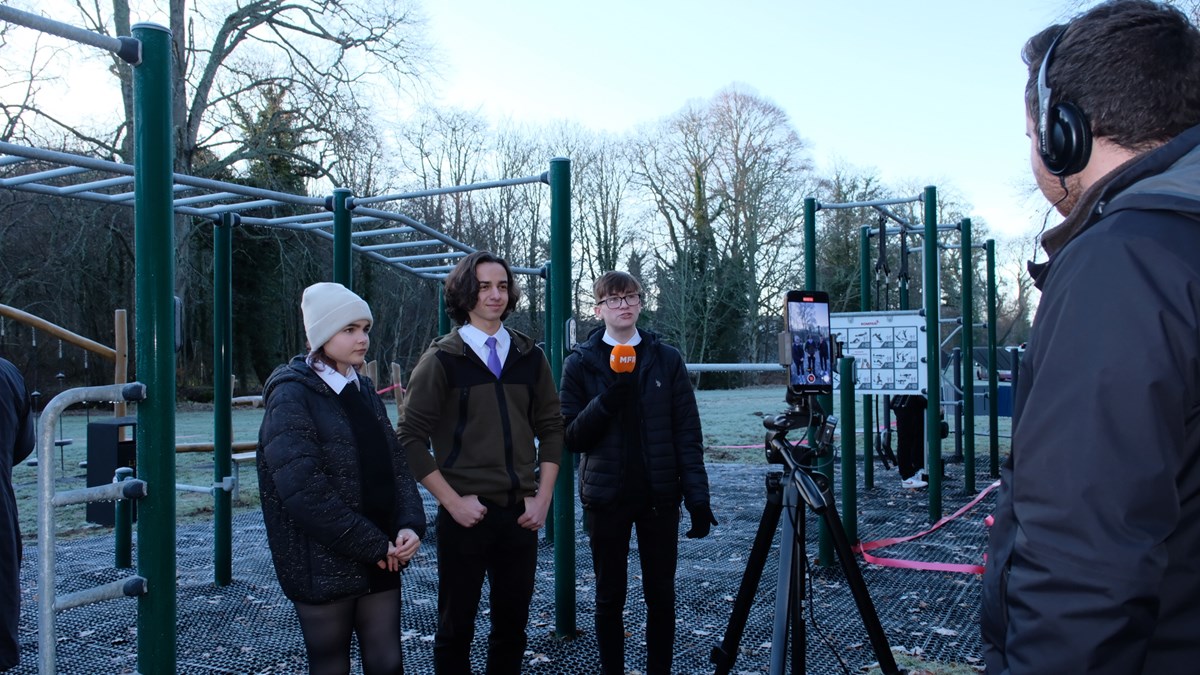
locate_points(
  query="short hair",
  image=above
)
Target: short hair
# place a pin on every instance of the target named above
(611, 283)
(462, 286)
(1131, 66)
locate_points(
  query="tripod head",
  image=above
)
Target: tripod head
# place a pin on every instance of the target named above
(804, 412)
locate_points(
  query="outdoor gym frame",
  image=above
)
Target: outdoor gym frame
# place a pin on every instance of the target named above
(155, 203)
(931, 309)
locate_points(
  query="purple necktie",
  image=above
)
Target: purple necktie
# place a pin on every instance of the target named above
(493, 357)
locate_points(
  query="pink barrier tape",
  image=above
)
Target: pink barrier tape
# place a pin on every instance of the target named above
(863, 547)
(385, 390)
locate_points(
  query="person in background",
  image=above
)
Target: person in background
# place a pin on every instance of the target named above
(484, 399)
(16, 442)
(642, 454)
(910, 439)
(1092, 560)
(340, 506)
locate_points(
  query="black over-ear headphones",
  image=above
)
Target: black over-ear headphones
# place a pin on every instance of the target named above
(1064, 138)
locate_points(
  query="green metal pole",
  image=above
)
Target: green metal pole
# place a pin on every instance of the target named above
(564, 489)
(810, 243)
(993, 384)
(547, 329)
(154, 247)
(824, 464)
(222, 395)
(968, 363)
(864, 280)
(123, 524)
(343, 265)
(849, 451)
(443, 317)
(929, 291)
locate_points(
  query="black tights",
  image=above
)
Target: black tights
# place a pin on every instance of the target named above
(374, 617)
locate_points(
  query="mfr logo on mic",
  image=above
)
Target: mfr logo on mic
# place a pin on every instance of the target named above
(623, 359)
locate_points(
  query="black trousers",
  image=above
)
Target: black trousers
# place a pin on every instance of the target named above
(910, 435)
(507, 553)
(658, 550)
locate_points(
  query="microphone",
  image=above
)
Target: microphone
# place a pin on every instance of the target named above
(623, 359)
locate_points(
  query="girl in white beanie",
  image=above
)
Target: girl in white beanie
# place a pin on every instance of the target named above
(339, 503)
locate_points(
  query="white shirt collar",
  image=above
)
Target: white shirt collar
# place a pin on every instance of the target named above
(336, 381)
(633, 341)
(476, 339)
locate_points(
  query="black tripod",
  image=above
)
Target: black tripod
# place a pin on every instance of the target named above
(784, 491)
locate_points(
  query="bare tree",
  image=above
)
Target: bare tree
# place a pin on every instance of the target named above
(321, 52)
(727, 179)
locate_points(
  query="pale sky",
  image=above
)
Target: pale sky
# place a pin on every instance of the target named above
(928, 91)
(924, 92)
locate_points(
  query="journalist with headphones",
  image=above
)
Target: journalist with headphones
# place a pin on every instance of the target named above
(1094, 555)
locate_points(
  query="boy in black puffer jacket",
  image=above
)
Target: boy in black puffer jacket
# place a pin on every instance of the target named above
(639, 434)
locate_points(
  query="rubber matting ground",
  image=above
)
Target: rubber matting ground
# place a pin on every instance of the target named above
(249, 627)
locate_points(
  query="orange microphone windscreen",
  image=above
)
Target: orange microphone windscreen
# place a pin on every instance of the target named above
(623, 359)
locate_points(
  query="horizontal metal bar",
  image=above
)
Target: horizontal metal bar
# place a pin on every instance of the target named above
(868, 204)
(209, 197)
(131, 53)
(129, 587)
(38, 176)
(400, 244)
(541, 178)
(734, 367)
(183, 487)
(95, 185)
(387, 230)
(180, 179)
(917, 230)
(418, 225)
(428, 256)
(108, 492)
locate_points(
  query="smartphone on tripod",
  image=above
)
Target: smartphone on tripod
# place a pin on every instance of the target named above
(806, 314)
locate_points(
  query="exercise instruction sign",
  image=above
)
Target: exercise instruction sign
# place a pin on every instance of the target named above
(888, 350)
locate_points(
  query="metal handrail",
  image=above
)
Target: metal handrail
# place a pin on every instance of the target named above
(48, 603)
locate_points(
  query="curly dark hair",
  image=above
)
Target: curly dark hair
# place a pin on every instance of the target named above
(462, 286)
(1131, 66)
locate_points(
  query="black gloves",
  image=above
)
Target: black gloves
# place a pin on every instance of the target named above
(621, 389)
(702, 520)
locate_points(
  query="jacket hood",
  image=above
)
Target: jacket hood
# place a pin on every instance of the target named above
(1162, 179)
(296, 370)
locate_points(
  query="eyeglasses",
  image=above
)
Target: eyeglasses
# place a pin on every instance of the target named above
(614, 301)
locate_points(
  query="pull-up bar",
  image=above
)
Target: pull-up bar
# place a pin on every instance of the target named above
(870, 204)
(543, 177)
(127, 48)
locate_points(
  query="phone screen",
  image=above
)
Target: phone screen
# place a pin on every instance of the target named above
(806, 314)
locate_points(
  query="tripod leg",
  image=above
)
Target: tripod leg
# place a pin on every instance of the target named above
(799, 577)
(724, 655)
(858, 587)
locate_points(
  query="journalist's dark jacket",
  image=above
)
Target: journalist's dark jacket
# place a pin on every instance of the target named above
(16, 442)
(308, 475)
(1094, 557)
(671, 436)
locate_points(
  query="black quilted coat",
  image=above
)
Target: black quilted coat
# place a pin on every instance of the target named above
(308, 476)
(671, 437)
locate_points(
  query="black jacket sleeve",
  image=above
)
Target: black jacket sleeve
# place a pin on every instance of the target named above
(584, 414)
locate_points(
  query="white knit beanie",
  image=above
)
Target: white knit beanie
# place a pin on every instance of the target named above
(328, 308)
